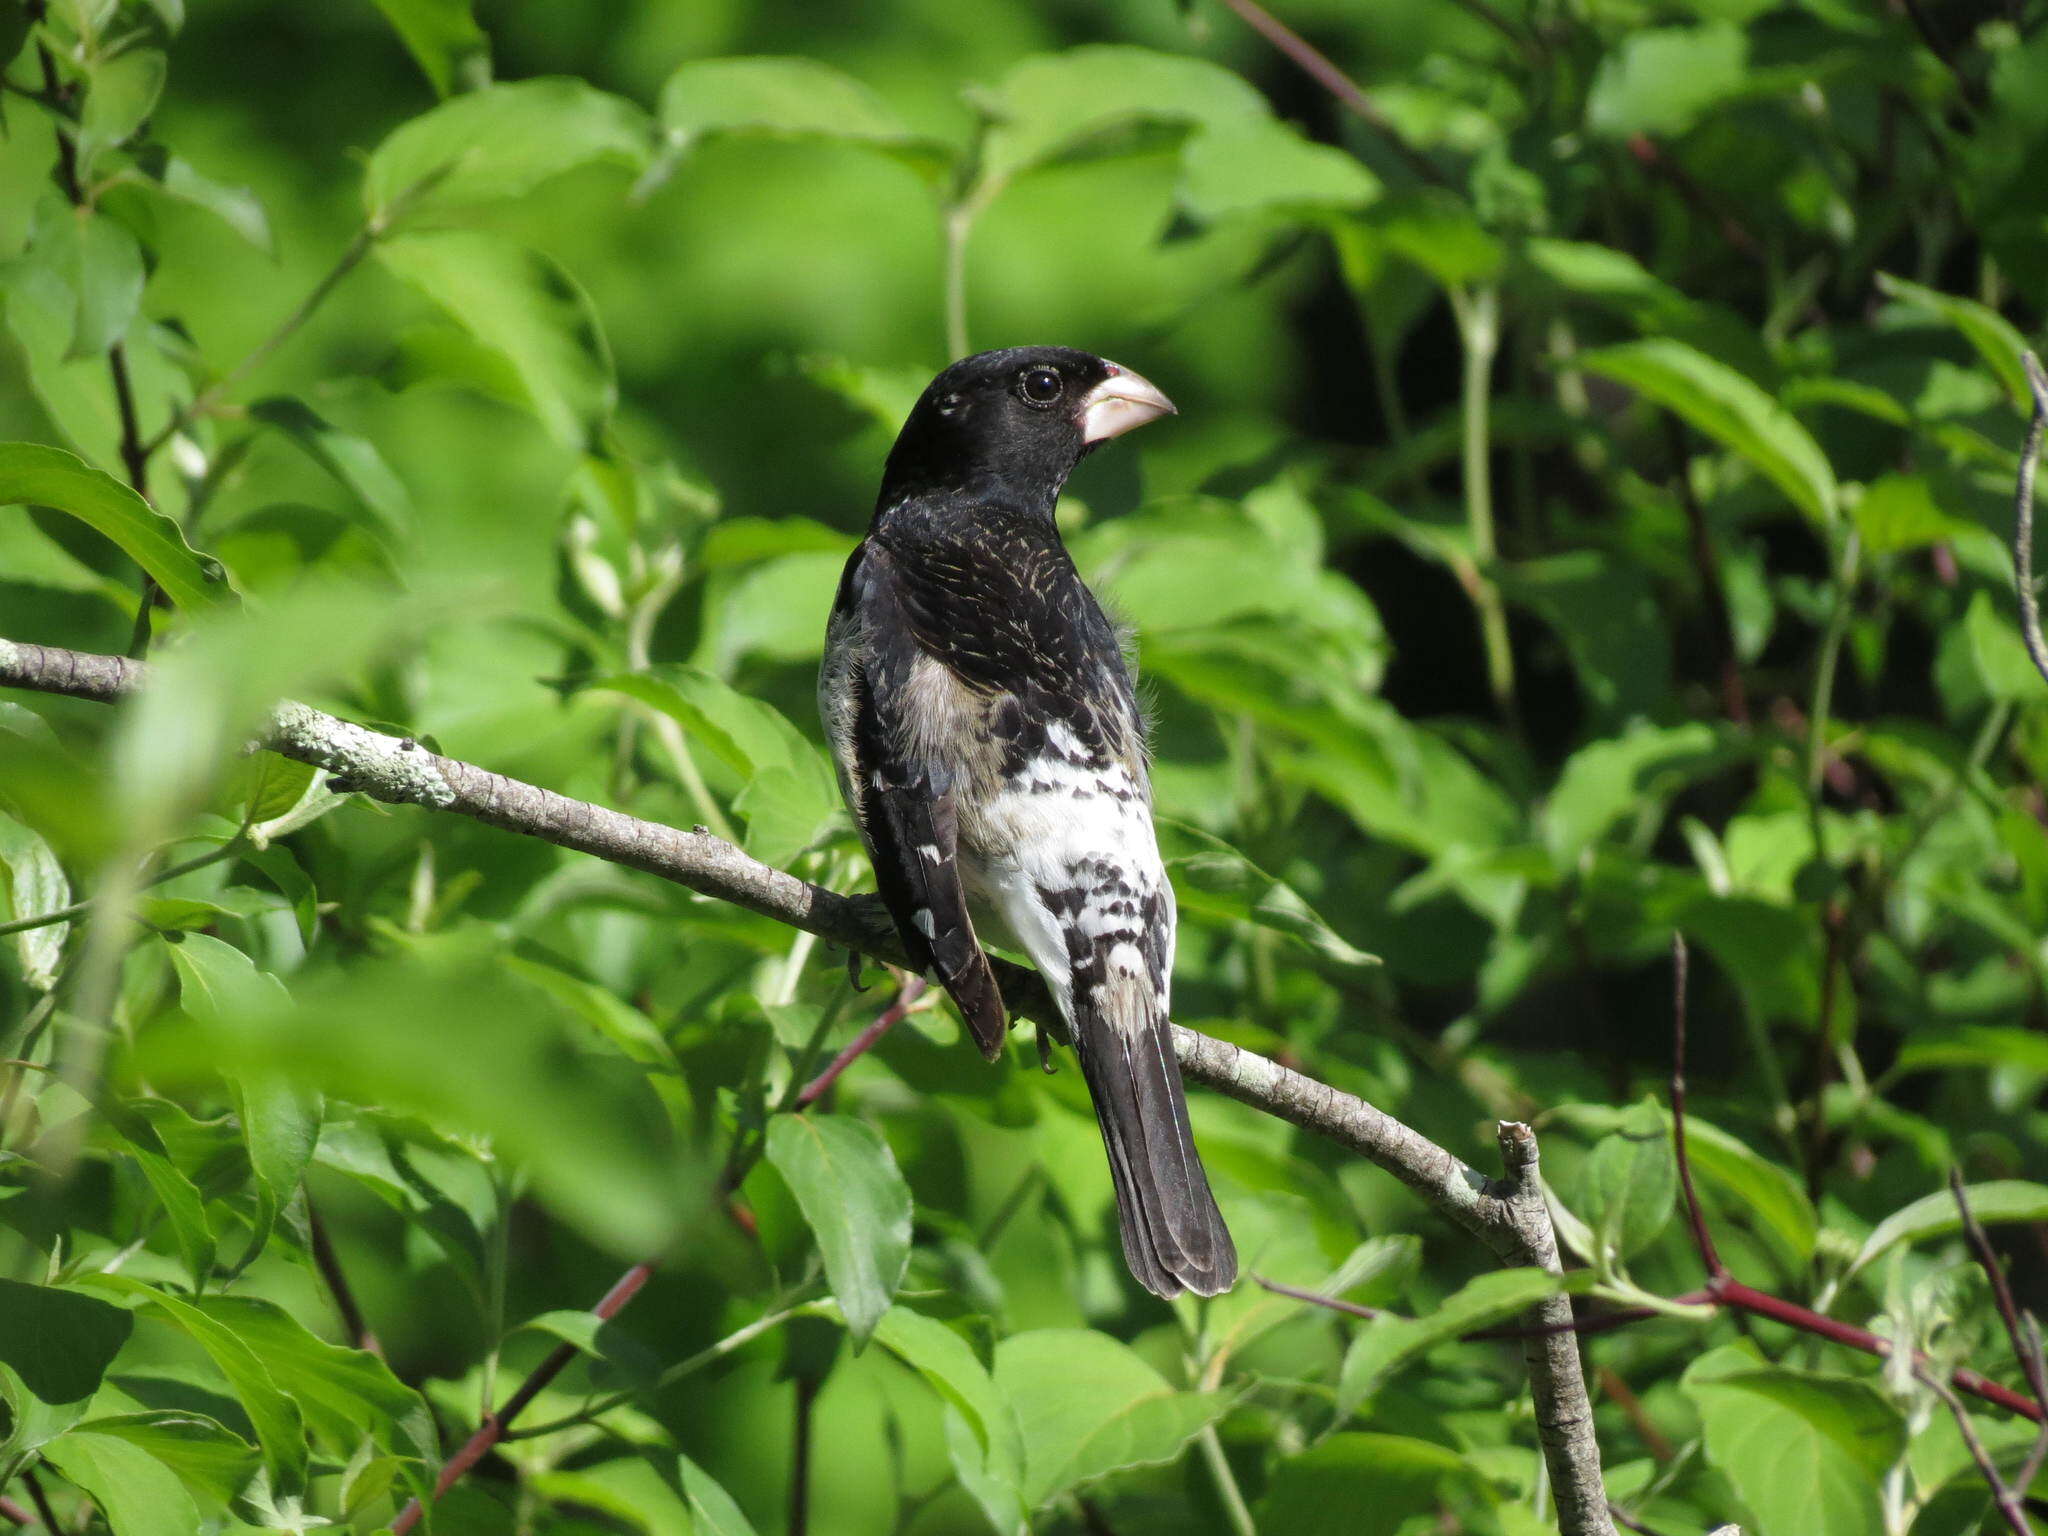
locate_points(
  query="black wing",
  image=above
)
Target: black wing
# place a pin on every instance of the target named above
(905, 804)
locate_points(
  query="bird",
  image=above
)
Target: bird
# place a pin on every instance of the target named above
(991, 748)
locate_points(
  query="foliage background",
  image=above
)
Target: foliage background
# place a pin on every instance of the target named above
(1586, 521)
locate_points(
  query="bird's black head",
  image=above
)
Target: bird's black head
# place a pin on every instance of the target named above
(1011, 425)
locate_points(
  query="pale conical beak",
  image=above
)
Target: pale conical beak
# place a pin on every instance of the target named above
(1120, 402)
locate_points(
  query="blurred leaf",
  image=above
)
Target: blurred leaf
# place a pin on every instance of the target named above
(121, 92)
(1628, 1183)
(1609, 276)
(107, 275)
(845, 1180)
(444, 40)
(1663, 80)
(1219, 882)
(1386, 1344)
(604, 1341)
(280, 1431)
(1088, 1406)
(2003, 665)
(1058, 104)
(32, 883)
(499, 144)
(1898, 512)
(237, 207)
(354, 462)
(1609, 780)
(50, 477)
(1438, 232)
(1807, 1453)
(1255, 165)
(786, 98)
(586, 1123)
(1935, 1215)
(1364, 1485)
(174, 1190)
(525, 310)
(137, 1495)
(1729, 408)
(715, 1512)
(1994, 337)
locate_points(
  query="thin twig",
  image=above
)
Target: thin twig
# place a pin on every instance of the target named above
(493, 1428)
(329, 1265)
(2023, 518)
(1333, 1303)
(9, 1510)
(41, 1500)
(862, 1043)
(2019, 1330)
(800, 1456)
(1629, 1522)
(1702, 1237)
(2003, 1495)
(1316, 64)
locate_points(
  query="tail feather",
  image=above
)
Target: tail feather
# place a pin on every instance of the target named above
(1173, 1235)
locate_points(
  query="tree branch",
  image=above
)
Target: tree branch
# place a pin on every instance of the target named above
(2023, 518)
(1509, 1216)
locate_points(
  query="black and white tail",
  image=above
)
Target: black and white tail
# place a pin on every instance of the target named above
(1174, 1237)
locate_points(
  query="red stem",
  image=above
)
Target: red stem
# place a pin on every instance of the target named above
(493, 1428)
(863, 1042)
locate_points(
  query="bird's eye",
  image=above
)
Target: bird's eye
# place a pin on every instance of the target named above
(1042, 386)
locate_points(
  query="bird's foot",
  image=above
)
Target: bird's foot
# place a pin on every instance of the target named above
(1045, 1061)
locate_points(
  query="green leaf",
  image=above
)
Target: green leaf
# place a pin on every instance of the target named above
(55, 1347)
(1386, 1344)
(990, 1458)
(444, 40)
(32, 883)
(1995, 338)
(1609, 276)
(1807, 1453)
(120, 93)
(605, 1341)
(1438, 231)
(1628, 1183)
(1898, 512)
(1258, 165)
(498, 145)
(1613, 779)
(786, 98)
(281, 1127)
(137, 1495)
(715, 1512)
(354, 462)
(1728, 407)
(1760, 1192)
(1059, 104)
(1364, 1485)
(50, 477)
(1995, 1203)
(175, 1192)
(789, 796)
(846, 1182)
(107, 276)
(346, 1395)
(237, 207)
(1662, 80)
(1219, 882)
(524, 310)
(2003, 665)
(279, 1429)
(210, 1461)
(1087, 1406)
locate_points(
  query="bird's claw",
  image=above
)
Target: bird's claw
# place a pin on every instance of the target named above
(1045, 1061)
(854, 964)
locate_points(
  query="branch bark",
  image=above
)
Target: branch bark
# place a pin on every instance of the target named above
(1508, 1215)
